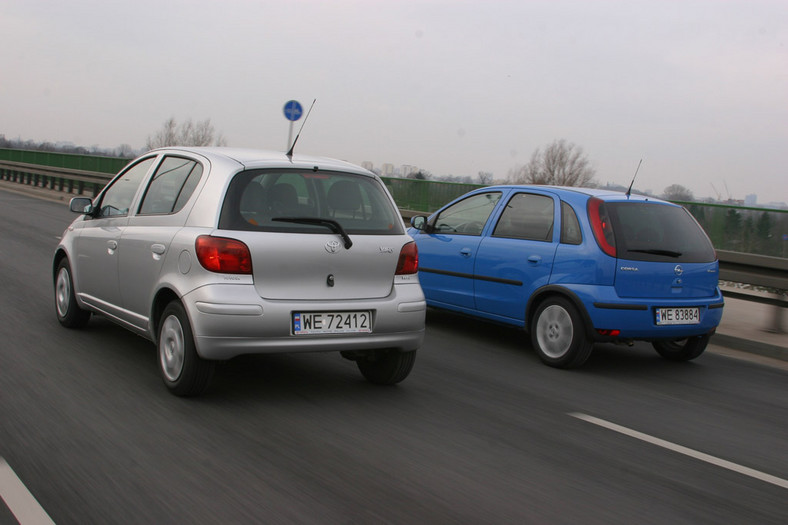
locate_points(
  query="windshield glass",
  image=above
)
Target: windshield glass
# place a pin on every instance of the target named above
(658, 232)
(258, 200)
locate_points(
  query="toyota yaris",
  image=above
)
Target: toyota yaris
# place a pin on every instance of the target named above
(213, 252)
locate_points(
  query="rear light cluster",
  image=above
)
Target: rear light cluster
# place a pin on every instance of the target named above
(600, 224)
(408, 262)
(222, 255)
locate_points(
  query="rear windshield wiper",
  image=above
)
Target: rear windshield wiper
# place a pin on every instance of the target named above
(331, 224)
(667, 253)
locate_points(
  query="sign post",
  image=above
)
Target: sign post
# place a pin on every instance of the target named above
(293, 112)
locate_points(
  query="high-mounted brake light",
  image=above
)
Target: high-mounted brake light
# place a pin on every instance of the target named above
(600, 224)
(222, 255)
(408, 262)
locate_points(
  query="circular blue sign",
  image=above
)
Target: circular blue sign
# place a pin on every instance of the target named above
(293, 110)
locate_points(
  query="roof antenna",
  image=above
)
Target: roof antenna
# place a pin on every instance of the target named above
(290, 152)
(629, 191)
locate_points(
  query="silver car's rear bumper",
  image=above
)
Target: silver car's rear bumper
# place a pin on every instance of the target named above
(231, 320)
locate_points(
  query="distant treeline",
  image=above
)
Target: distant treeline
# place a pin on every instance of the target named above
(123, 151)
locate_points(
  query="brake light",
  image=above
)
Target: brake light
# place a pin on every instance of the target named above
(600, 224)
(222, 255)
(408, 262)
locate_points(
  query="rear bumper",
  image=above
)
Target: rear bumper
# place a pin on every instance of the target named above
(636, 318)
(231, 320)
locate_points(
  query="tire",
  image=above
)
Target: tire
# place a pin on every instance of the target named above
(558, 334)
(387, 367)
(681, 349)
(69, 314)
(183, 371)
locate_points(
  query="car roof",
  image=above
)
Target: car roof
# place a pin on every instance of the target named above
(259, 158)
(601, 193)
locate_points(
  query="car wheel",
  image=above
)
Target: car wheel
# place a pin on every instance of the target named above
(386, 368)
(682, 349)
(184, 372)
(558, 334)
(68, 311)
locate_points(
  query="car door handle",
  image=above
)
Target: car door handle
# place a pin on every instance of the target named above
(465, 252)
(536, 259)
(158, 249)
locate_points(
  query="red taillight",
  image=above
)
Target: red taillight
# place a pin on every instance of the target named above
(600, 224)
(408, 262)
(221, 255)
(609, 332)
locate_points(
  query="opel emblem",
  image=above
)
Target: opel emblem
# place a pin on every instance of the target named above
(332, 246)
(678, 270)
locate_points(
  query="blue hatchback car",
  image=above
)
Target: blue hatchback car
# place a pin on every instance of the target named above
(574, 266)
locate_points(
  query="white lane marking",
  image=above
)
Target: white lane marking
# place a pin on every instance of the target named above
(768, 478)
(22, 504)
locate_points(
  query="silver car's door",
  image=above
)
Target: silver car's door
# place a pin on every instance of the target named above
(98, 245)
(146, 238)
(96, 265)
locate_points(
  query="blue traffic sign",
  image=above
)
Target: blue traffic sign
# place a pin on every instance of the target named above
(293, 110)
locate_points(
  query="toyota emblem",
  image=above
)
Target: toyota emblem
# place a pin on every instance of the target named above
(332, 246)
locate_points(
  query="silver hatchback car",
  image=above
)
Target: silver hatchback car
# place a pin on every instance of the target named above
(215, 252)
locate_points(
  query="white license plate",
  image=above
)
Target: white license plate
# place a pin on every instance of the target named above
(332, 322)
(678, 316)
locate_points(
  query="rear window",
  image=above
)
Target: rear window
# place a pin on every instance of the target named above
(360, 204)
(658, 232)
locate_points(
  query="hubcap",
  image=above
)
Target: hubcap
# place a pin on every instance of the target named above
(171, 348)
(554, 331)
(63, 292)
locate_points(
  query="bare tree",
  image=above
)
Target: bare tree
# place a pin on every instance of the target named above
(187, 134)
(561, 163)
(677, 192)
(485, 177)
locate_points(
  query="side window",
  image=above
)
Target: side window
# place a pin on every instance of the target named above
(468, 216)
(527, 216)
(171, 186)
(570, 227)
(116, 200)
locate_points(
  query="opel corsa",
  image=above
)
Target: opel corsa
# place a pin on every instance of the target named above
(213, 252)
(574, 266)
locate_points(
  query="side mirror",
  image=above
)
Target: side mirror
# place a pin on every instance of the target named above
(81, 205)
(419, 222)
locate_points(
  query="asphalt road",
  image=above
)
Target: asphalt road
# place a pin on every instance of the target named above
(480, 432)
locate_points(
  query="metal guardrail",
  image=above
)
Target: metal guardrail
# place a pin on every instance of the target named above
(758, 270)
(59, 179)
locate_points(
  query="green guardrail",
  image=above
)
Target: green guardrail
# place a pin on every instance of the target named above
(744, 229)
(65, 160)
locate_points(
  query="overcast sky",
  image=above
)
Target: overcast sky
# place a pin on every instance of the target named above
(697, 89)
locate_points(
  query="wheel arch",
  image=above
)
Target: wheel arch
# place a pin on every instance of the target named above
(163, 297)
(60, 254)
(552, 290)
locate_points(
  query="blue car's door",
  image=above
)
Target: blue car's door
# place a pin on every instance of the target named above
(447, 253)
(515, 257)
